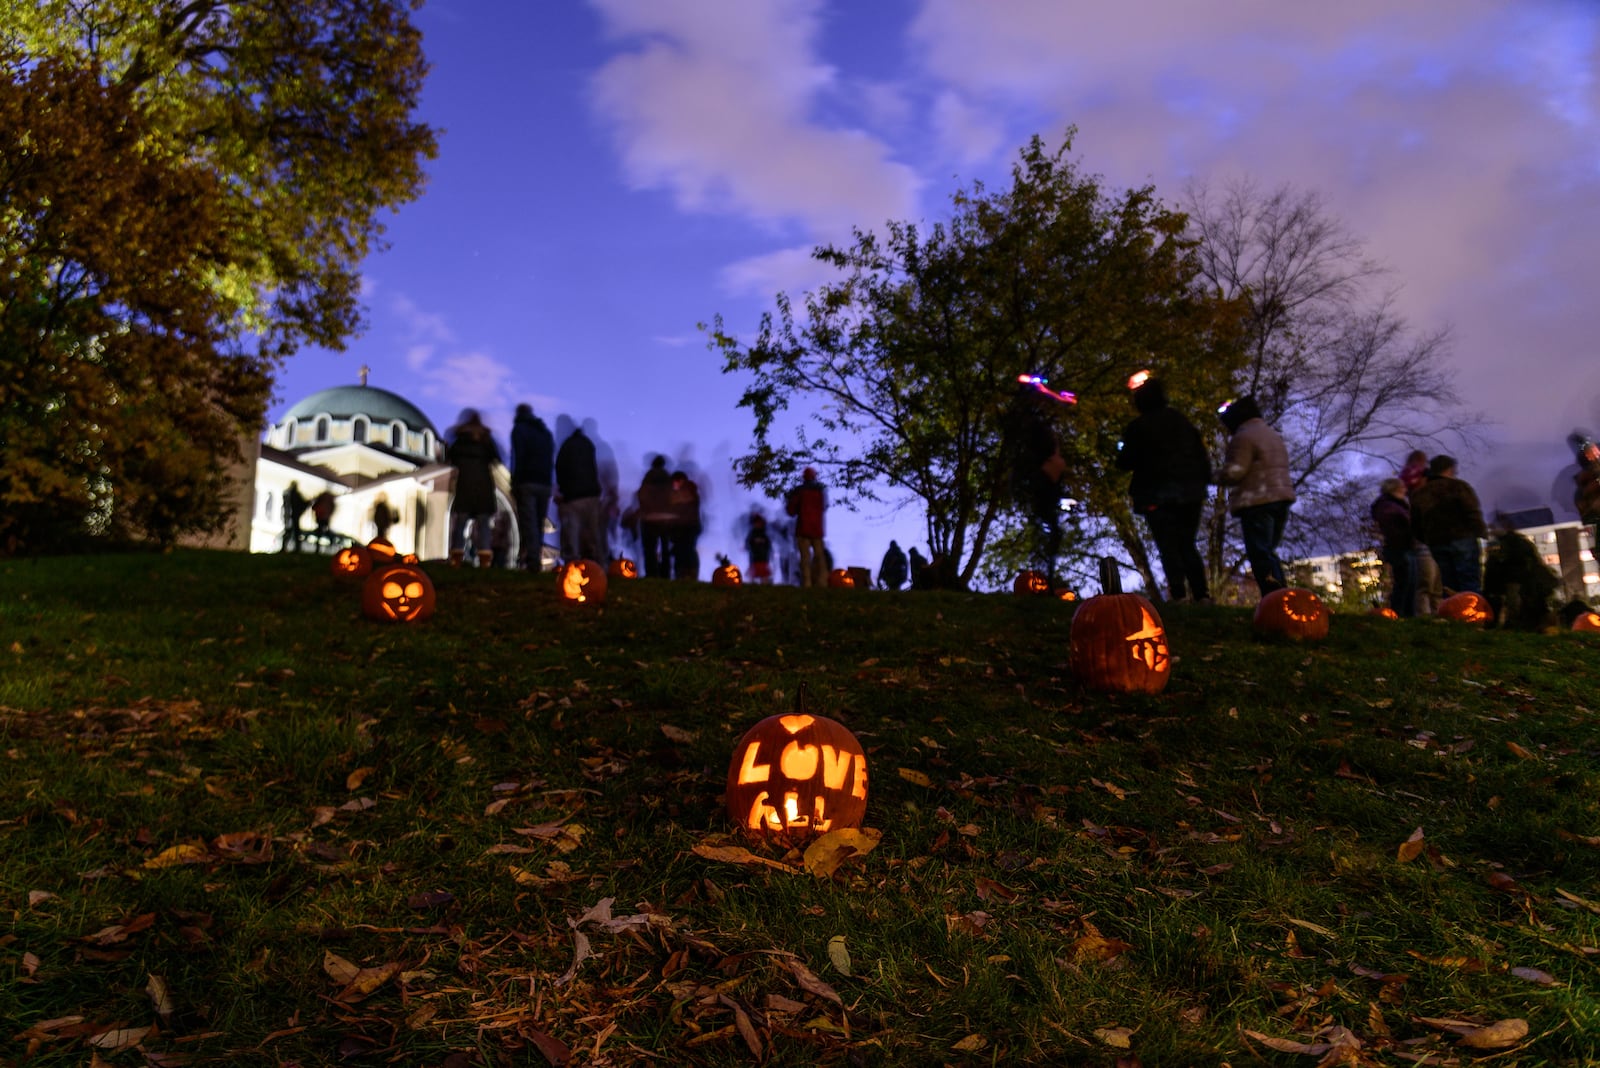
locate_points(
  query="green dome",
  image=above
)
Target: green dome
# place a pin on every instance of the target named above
(344, 402)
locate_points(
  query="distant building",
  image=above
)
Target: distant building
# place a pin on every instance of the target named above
(1568, 548)
(357, 442)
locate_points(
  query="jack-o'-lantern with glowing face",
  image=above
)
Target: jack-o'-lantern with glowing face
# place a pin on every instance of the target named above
(352, 561)
(581, 582)
(622, 568)
(1069, 596)
(840, 579)
(1031, 583)
(727, 575)
(1384, 611)
(797, 776)
(397, 593)
(1467, 608)
(1296, 614)
(1118, 644)
(1589, 622)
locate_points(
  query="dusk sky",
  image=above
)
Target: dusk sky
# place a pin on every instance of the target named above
(613, 172)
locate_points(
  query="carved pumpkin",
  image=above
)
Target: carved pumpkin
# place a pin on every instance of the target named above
(1118, 643)
(352, 562)
(1384, 611)
(622, 568)
(1589, 621)
(397, 593)
(582, 582)
(726, 575)
(1292, 613)
(1067, 595)
(410, 558)
(1467, 608)
(382, 551)
(840, 579)
(1031, 582)
(797, 776)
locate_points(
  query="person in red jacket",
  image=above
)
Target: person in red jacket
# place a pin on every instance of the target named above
(808, 502)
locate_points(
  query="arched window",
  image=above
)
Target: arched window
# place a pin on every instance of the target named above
(322, 428)
(427, 444)
(397, 434)
(358, 429)
(286, 434)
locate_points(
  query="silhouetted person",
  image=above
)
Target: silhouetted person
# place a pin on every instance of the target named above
(471, 450)
(685, 527)
(921, 573)
(1517, 582)
(1392, 513)
(1256, 465)
(655, 519)
(579, 505)
(758, 546)
(533, 458)
(1170, 474)
(892, 571)
(1447, 517)
(382, 516)
(294, 506)
(322, 514)
(1037, 468)
(808, 503)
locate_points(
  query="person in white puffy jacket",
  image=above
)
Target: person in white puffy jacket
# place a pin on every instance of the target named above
(1256, 467)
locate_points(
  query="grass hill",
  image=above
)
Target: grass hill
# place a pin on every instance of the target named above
(241, 824)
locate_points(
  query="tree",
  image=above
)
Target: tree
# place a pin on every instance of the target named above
(116, 400)
(910, 360)
(1330, 361)
(295, 118)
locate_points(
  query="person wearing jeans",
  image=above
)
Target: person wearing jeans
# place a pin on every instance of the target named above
(1170, 474)
(1256, 467)
(1448, 518)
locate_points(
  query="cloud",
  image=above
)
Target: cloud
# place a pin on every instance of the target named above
(1459, 138)
(965, 132)
(787, 270)
(715, 101)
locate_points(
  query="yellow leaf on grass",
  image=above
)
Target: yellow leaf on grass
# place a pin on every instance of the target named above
(1117, 1037)
(823, 857)
(911, 775)
(971, 1044)
(1519, 752)
(339, 970)
(121, 1038)
(188, 853)
(839, 954)
(367, 980)
(353, 781)
(1497, 1035)
(1411, 848)
(740, 855)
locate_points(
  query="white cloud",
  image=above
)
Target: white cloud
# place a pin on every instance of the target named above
(965, 132)
(788, 270)
(715, 100)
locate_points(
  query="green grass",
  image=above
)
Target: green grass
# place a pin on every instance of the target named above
(1218, 859)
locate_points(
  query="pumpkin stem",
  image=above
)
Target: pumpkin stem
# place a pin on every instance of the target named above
(1110, 575)
(800, 700)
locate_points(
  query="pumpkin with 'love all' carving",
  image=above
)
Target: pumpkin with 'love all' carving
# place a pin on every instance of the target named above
(797, 776)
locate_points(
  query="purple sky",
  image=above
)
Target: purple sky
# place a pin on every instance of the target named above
(613, 172)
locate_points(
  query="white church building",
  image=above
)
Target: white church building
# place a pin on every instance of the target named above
(361, 444)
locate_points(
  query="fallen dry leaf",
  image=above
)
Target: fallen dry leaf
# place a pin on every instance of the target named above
(353, 781)
(809, 982)
(1288, 1045)
(740, 855)
(160, 999)
(823, 857)
(971, 1044)
(38, 897)
(1497, 1035)
(339, 970)
(839, 954)
(120, 1038)
(677, 734)
(1534, 975)
(1115, 1037)
(174, 856)
(911, 775)
(1411, 848)
(1519, 752)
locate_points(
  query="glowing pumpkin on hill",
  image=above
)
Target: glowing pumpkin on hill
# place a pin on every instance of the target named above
(352, 562)
(726, 575)
(840, 579)
(1589, 621)
(397, 593)
(382, 551)
(1030, 583)
(622, 568)
(1467, 608)
(797, 776)
(581, 582)
(1117, 643)
(1292, 613)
